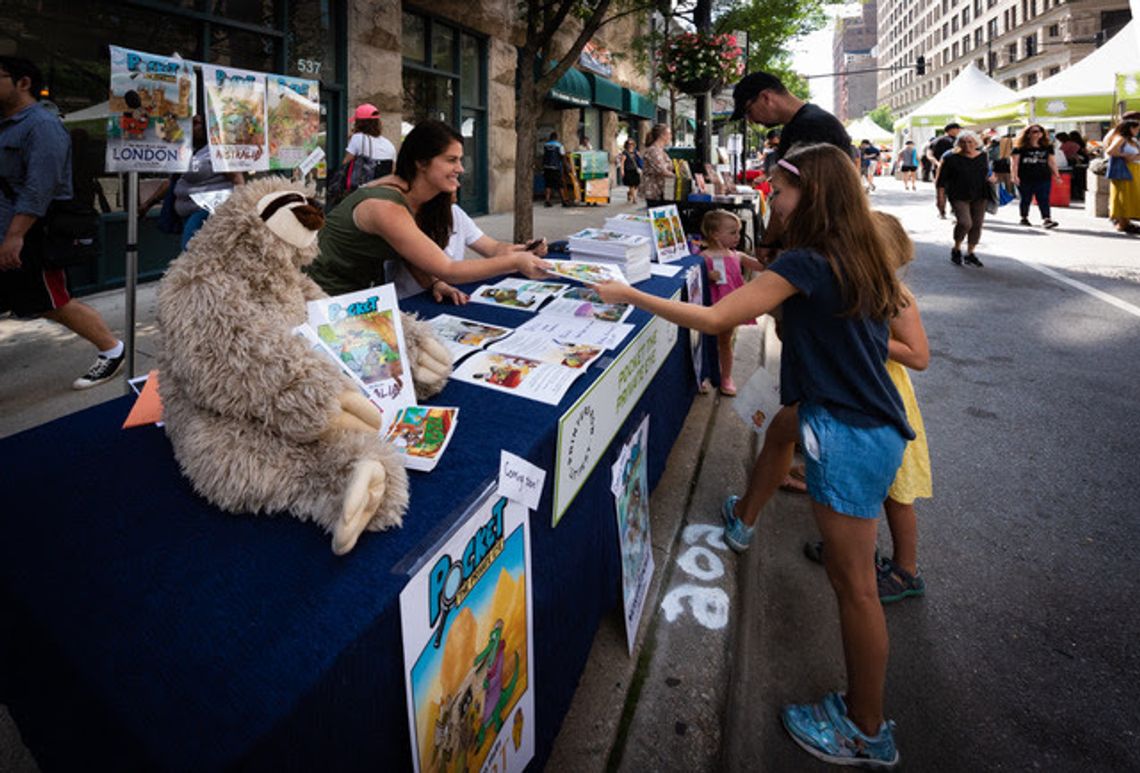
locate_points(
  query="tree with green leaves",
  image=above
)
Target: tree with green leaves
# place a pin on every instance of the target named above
(884, 117)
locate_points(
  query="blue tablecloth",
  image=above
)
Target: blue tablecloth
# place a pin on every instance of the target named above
(142, 628)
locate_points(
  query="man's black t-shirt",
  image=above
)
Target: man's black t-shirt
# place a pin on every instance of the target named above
(812, 123)
(940, 145)
(1033, 164)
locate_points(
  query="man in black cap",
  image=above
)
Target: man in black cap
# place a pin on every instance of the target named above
(762, 98)
(937, 148)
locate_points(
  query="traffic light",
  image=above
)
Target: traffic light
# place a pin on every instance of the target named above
(920, 65)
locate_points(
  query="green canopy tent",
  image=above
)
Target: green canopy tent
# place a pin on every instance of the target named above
(1084, 92)
(971, 90)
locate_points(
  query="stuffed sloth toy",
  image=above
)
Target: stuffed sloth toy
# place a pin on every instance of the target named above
(259, 422)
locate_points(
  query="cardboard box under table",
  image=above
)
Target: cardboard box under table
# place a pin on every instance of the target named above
(145, 629)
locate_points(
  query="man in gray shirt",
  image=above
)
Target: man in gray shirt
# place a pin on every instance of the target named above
(35, 169)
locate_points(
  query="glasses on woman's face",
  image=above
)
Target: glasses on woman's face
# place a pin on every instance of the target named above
(1034, 131)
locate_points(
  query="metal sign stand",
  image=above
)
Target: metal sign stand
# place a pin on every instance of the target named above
(131, 269)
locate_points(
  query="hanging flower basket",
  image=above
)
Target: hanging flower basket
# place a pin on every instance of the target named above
(697, 62)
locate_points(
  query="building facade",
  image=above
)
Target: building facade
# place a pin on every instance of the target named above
(852, 51)
(454, 60)
(1016, 42)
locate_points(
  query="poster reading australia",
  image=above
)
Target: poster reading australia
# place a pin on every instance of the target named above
(236, 119)
(466, 619)
(294, 120)
(151, 105)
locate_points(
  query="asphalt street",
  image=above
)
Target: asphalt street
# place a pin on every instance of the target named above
(1023, 653)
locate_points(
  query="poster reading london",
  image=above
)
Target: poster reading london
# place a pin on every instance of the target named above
(466, 618)
(150, 106)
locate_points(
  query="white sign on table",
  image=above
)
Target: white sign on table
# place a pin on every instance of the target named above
(519, 480)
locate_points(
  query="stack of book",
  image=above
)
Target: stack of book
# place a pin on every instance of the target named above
(635, 225)
(629, 252)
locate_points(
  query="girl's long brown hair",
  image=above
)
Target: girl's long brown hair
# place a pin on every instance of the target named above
(1025, 143)
(834, 219)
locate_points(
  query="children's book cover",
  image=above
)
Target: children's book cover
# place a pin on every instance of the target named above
(294, 120)
(630, 485)
(669, 235)
(463, 336)
(151, 109)
(236, 119)
(468, 656)
(363, 333)
(586, 272)
(522, 294)
(421, 433)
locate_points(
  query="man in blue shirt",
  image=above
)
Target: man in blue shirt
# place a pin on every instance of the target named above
(35, 169)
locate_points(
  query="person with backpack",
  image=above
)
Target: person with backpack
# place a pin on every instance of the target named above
(552, 152)
(36, 173)
(368, 156)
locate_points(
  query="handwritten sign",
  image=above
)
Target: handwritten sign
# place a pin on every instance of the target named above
(519, 480)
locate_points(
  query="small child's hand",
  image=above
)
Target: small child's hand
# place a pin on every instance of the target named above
(611, 291)
(714, 276)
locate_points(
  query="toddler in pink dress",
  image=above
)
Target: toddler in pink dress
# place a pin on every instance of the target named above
(723, 262)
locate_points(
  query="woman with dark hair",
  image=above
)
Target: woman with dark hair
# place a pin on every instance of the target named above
(657, 176)
(964, 174)
(405, 218)
(1033, 170)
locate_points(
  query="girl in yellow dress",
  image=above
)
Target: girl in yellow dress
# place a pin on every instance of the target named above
(908, 348)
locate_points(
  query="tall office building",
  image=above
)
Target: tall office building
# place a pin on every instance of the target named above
(852, 50)
(1016, 42)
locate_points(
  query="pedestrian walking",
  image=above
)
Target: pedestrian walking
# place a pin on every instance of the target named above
(935, 152)
(721, 231)
(836, 284)
(964, 173)
(657, 176)
(35, 170)
(908, 164)
(552, 154)
(1124, 198)
(630, 163)
(1033, 169)
(869, 162)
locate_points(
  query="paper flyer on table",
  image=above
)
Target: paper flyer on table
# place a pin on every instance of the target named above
(421, 433)
(511, 293)
(294, 120)
(578, 301)
(151, 110)
(363, 332)
(586, 272)
(662, 269)
(544, 348)
(467, 624)
(583, 330)
(630, 487)
(236, 119)
(696, 295)
(463, 336)
(518, 376)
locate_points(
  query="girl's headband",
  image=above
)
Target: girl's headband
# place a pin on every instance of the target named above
(789, 166)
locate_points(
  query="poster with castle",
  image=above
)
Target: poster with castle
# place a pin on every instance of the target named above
(151, 105)
(468, 656)
(236, 116)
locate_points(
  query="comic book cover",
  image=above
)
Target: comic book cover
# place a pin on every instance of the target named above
(294, 120)
(463, 336)
(152, 107)
(630, 485)
(236, 119)
(512, 293)
(467, 622)
(362, 331)
(667, 231)
(586, 272)
(421, 433)
(577, 301)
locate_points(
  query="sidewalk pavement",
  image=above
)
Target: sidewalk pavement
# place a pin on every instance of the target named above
(40, 359)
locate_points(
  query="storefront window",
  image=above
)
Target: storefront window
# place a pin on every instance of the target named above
(443, 47)
(238, 48)
(263, 12)
(415, 38)
(591, 126)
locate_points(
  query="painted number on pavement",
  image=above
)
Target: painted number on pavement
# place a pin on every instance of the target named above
(708, 605)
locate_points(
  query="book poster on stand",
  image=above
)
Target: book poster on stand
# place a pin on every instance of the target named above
(668, 233)
(695, 288)
(294, 120)
(630, 486)
(236, 119)
(363, 332)
(150, 128)
(467, 625)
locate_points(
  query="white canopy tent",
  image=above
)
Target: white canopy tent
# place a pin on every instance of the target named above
(970, 91)
(1083, 92)
(866, 129)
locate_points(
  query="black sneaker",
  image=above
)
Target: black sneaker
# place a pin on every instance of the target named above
(956, 256)
(103, 370)
(972, 260)
(1025, 221)
(1050, 224)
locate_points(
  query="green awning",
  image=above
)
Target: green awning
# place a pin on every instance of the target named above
(572, 88)
(606, 92)
(638, 104)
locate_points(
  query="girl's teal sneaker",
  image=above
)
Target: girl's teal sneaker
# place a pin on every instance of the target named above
(824, 731)
(736, 534)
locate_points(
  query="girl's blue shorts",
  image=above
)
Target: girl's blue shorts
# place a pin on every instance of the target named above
(849, 469)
